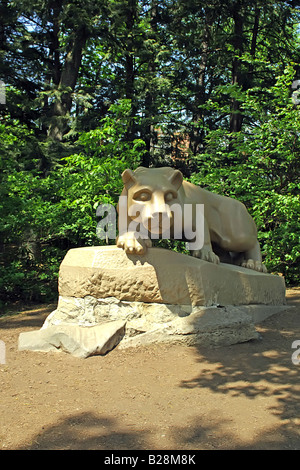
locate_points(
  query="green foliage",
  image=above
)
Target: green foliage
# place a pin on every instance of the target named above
(42, 217)
(260, 167)
(93, 177)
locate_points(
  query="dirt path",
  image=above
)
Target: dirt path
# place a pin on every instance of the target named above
(245, 396)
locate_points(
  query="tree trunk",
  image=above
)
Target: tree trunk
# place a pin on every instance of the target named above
(150, 135)
(130, 19)
(54, 43)
(66, 86)
(236, 118)
(196, 135)
(53, 75)
(254, 38)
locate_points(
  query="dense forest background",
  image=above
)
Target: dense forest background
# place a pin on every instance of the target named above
(93, 87)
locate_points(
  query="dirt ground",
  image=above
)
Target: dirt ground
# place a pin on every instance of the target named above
(245, 396)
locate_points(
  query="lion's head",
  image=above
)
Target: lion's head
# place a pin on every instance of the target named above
(150, 193)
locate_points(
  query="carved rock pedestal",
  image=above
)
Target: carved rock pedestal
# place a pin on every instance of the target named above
(163, 296)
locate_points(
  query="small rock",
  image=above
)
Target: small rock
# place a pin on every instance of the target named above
(76, 340)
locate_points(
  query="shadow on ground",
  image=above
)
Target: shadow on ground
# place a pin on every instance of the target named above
(259, 369)
(259, 373)
(31, 316)
(86, 431)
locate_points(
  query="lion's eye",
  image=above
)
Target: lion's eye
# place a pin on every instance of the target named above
(143, 197)
(169, 197)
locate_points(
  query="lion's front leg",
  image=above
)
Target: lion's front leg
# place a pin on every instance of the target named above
(206, 253)
(133, 245)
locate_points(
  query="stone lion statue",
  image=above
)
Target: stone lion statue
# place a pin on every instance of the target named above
(228, 231)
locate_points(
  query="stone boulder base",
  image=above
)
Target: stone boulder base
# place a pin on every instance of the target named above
(76, 340)
(163, 296)
(153, 322)
(164, 276)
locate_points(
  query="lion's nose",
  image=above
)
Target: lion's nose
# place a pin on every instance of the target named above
(160, 215)
(161, 211)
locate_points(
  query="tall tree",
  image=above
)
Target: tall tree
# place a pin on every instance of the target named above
(67, 82)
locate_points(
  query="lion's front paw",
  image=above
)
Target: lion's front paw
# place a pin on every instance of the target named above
(206, 254)
(255, 265)
(132, 245)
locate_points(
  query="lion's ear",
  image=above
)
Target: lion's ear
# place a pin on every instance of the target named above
(128, 178)
(176, 179)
